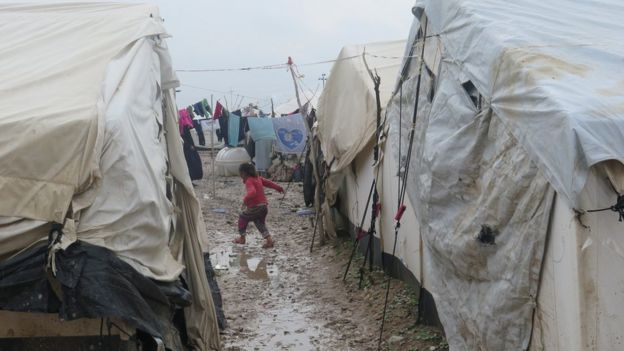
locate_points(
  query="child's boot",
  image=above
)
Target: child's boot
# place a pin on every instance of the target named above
(269, 243)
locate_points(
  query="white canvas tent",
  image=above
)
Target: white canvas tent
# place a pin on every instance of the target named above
(517, 134)
(88, 140)
(347, 117)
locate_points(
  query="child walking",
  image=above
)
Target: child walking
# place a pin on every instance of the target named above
(255, 204)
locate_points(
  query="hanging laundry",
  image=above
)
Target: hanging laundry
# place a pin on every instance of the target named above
(206, 124)
(199, 109)
(243, 129)
(261, 128)
(250, 146)
(263, 150)
(184, 121)
(309, 183)
(291, 134)
(207, 107)
(193, 161)
(218, 111)
(233, 130)
(200, 131)
(223, 128)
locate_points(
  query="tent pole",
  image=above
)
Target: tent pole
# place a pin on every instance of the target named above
(214, 184)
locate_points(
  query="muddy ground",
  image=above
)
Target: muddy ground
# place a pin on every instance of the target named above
(287, 298)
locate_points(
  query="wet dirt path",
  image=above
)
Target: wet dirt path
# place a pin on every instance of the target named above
(289, 299)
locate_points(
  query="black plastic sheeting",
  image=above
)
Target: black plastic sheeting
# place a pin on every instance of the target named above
(216, 292)
(309, 184)
(94, 283)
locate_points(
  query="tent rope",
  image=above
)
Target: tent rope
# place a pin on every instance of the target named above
(318, 215)
(360, 232)
(368, 255)
(376, 206)
(618, 207)
(403, 184)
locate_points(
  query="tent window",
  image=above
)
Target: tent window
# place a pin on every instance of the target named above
(473, 93)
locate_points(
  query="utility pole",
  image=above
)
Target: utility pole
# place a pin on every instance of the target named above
(214, 176)
(313, 149)
(294, 77)
(323, 79)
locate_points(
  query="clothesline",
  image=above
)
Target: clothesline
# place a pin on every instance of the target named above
(223, 92)
(285, 65)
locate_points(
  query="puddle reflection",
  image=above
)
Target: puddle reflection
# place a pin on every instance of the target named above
(254, 267)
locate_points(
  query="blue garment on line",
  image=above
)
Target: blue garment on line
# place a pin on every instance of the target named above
(263, 154)
(261, 128)
(291, 134)
(233, 128)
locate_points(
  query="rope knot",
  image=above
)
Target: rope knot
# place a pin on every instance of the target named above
(619, 207)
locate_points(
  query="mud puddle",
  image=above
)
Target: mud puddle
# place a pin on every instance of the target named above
(281, 328)
(282, 323)
(231, 260)
(287, 298)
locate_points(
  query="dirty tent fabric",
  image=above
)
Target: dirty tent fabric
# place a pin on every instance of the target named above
(500, 127)
(347, 111)
(90, 144)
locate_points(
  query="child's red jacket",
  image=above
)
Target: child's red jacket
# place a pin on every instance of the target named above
(255, 190)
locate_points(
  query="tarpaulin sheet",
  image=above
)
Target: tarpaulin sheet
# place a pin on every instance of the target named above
(136, 222)
(483, 208)
(550, 72)
(94, 283)
(513, 106)
(113, 100)
(50, 143)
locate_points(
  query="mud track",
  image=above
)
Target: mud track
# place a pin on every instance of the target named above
(288, 299)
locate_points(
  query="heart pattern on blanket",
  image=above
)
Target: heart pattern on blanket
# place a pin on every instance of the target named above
(290, 138)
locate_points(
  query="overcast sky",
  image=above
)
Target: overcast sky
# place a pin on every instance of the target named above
(239, 33)
(214, 34)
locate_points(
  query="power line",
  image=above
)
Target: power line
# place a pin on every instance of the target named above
(222, 92)
(285, 65)
(267, 67)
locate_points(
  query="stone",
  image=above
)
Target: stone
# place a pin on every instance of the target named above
(395, 339)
